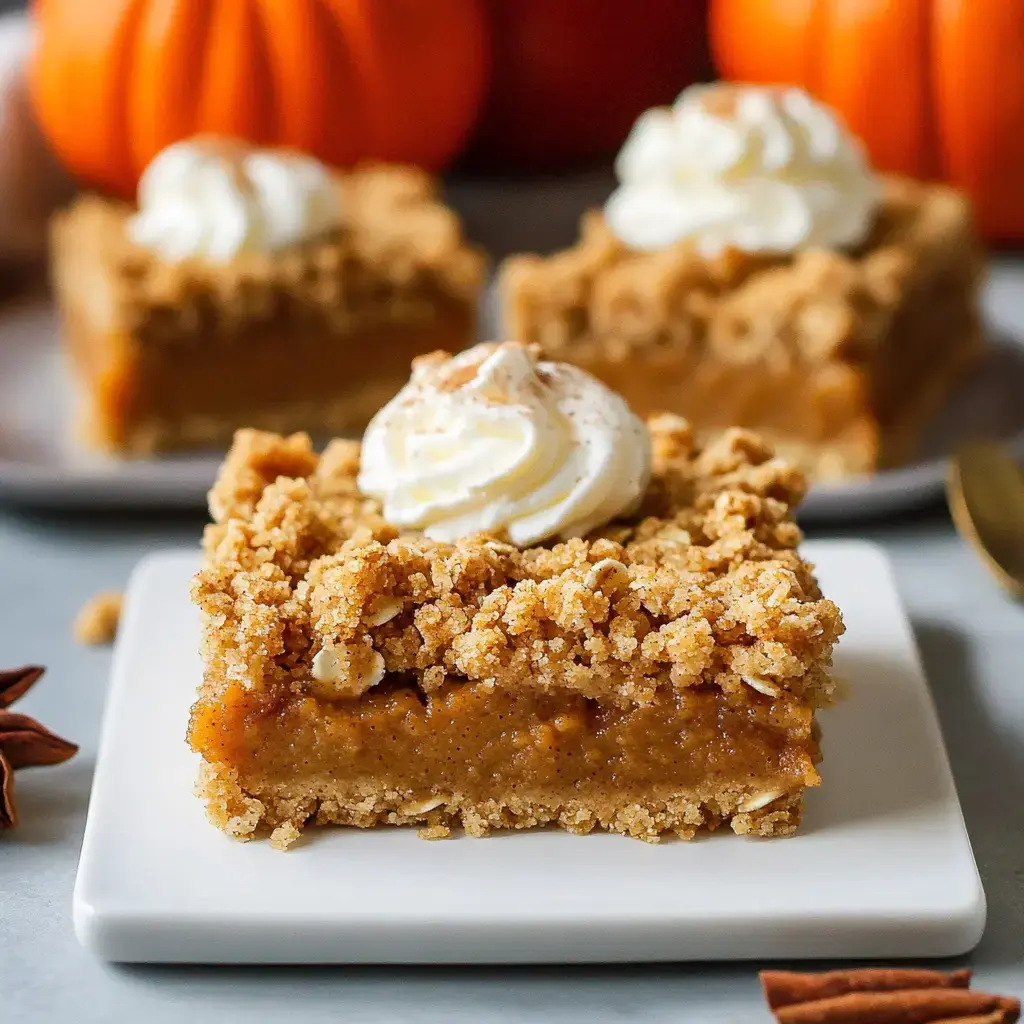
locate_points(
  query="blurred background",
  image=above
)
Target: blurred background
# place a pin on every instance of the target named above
(523, 118)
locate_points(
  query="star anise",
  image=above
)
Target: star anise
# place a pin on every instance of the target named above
(24, 743)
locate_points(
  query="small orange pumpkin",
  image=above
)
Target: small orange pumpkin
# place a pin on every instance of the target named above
(115, 81)
(934, 87)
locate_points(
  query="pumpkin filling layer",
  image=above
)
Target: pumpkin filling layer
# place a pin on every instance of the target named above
(478, 756)
(157, 398)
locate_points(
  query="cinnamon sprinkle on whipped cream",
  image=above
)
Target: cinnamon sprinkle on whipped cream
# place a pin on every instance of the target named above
(494, 440)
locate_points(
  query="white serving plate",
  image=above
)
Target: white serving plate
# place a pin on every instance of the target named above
(881, 868)
(42, 463)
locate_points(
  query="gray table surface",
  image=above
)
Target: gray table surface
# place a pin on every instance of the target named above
(971, 638)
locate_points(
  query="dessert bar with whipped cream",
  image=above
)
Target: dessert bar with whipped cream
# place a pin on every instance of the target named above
(256, 288)
(752, 269)
(514, 604)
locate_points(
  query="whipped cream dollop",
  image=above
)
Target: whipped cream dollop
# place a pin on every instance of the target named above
(494, 439)
(760, 169)
(214, 198)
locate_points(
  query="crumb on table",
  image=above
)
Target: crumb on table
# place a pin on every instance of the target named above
(284, 835)
(434, 832)
(96, 622)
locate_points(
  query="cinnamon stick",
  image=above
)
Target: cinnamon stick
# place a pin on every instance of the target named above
(923, 1006)
(995, 1017)
(784, 988)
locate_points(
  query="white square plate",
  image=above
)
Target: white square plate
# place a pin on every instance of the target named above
(882, 867)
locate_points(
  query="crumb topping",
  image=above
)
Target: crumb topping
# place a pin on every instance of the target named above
(399, 248)
(97, 620)
(702, 585)
(600, 297)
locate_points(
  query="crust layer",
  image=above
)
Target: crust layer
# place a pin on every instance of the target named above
(281, 810)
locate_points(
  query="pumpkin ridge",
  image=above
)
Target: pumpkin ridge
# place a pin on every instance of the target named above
(932, 161)
(236, 99)
(819, 22)
(350, 84)
(980, 104)
(117, 104)
(273, 119)
(301, 68)
(170, 43)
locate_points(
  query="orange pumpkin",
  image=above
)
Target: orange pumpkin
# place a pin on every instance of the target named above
(115, 81)
(934, 87)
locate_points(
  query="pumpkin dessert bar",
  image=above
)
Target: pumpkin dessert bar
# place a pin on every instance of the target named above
(658, 675)
(312, 334)
(838, 349)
